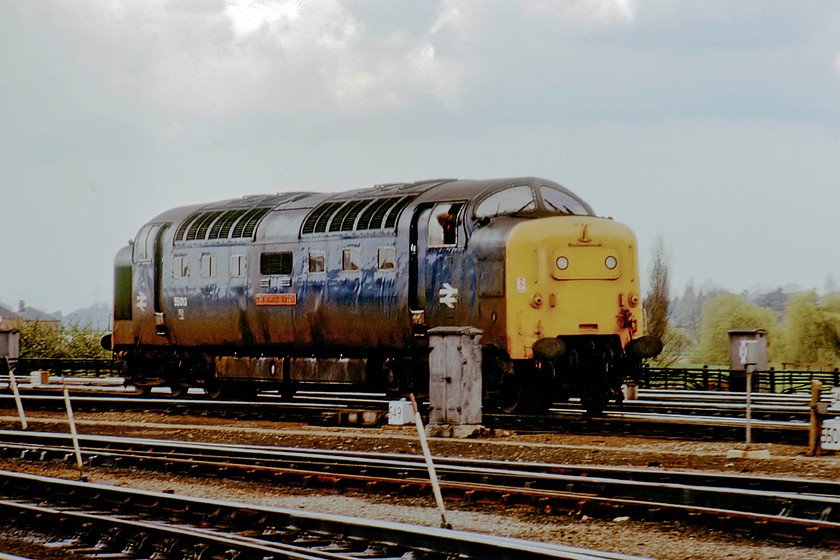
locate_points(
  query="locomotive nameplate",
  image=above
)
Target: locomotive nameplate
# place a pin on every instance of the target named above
(276, 299)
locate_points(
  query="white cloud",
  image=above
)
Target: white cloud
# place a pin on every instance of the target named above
(249, 15)
(262, 57)
(595, 11)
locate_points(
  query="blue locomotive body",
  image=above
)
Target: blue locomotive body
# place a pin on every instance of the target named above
(339, 289)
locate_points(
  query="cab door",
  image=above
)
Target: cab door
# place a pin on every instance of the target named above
(417, 255)
(436, 266)
(147, 300)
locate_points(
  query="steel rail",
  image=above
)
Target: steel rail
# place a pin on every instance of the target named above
(97, 448)
(270, 408)
(241, 525)
(797, 505)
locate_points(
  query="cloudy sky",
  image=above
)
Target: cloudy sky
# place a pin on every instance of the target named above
(714, 124)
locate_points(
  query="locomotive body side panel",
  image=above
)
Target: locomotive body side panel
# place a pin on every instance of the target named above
(489, 247)
(353, 300)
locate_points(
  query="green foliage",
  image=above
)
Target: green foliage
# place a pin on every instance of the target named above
(39, 339)
(658, 299)
(724, 312)
(812, 329)
(678, 344)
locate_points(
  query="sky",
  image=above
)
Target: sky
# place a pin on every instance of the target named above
(711, 125)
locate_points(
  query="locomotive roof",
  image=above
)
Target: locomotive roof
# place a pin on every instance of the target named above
(373, 208)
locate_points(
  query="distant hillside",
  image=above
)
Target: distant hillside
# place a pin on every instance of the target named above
(97, 316)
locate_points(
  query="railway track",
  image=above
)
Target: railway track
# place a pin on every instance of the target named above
(794, 510)
(690, 415)
(99, 521)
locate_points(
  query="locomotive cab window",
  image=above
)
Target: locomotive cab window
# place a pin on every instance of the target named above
(562, 203)
(273, 264)
(443, 224)
(351, 259)
(386, 258)
(144, 245)
(509, 201)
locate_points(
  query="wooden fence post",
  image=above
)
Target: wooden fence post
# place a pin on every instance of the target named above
(816, 419)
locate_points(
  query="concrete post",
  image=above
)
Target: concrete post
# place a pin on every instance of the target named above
(455, 388)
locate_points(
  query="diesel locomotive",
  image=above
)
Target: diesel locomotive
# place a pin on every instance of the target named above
(338, 291)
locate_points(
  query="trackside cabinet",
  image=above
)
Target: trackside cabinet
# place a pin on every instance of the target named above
(10, 344)
(455, 380)
(746, 347)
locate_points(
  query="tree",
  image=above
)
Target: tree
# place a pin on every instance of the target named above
(658, 299)
(39, 339)
(812, 329)
(724, 312)
(677, 344)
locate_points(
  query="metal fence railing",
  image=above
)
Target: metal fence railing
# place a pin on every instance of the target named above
(723, 379)
(81, 367)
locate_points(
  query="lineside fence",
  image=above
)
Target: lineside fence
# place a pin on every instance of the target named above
(723, 379)
(75, 367)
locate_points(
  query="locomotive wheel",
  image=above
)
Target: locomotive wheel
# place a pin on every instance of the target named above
(144, 392)
(523, 387)
(213, 391)
(178, 391)
(510, 395)
(595, 394)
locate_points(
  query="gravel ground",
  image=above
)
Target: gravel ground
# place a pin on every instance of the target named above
(656, 540)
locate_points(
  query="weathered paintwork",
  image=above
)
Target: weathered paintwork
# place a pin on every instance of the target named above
(263, 284)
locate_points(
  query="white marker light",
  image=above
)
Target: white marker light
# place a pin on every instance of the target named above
(611, 262)
(562, 263)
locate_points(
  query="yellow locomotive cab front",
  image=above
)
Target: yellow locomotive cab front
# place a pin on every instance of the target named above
(568, 277)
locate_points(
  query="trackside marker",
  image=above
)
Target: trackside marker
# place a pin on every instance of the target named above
(18, 402)
(429, 464)
(75, 434)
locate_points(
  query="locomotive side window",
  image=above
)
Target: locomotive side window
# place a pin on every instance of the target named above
(317, 261)
(208, 266)
(351, 259)
(275, 263)
(562, 203)
(386, 258)
(443, 222)
(144, 245)
(238, 266)
(180, 267)
(509, 201)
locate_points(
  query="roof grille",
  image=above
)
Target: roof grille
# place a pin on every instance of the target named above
(355, 215)
(217, 224)
(221, 227)
(395, 211)
(316, 221)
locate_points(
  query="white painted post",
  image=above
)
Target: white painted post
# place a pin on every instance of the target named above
(18, 401)
(749, 403)
(75, 434)
(429, 464)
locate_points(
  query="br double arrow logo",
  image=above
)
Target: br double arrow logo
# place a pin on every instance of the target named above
(448, 295)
